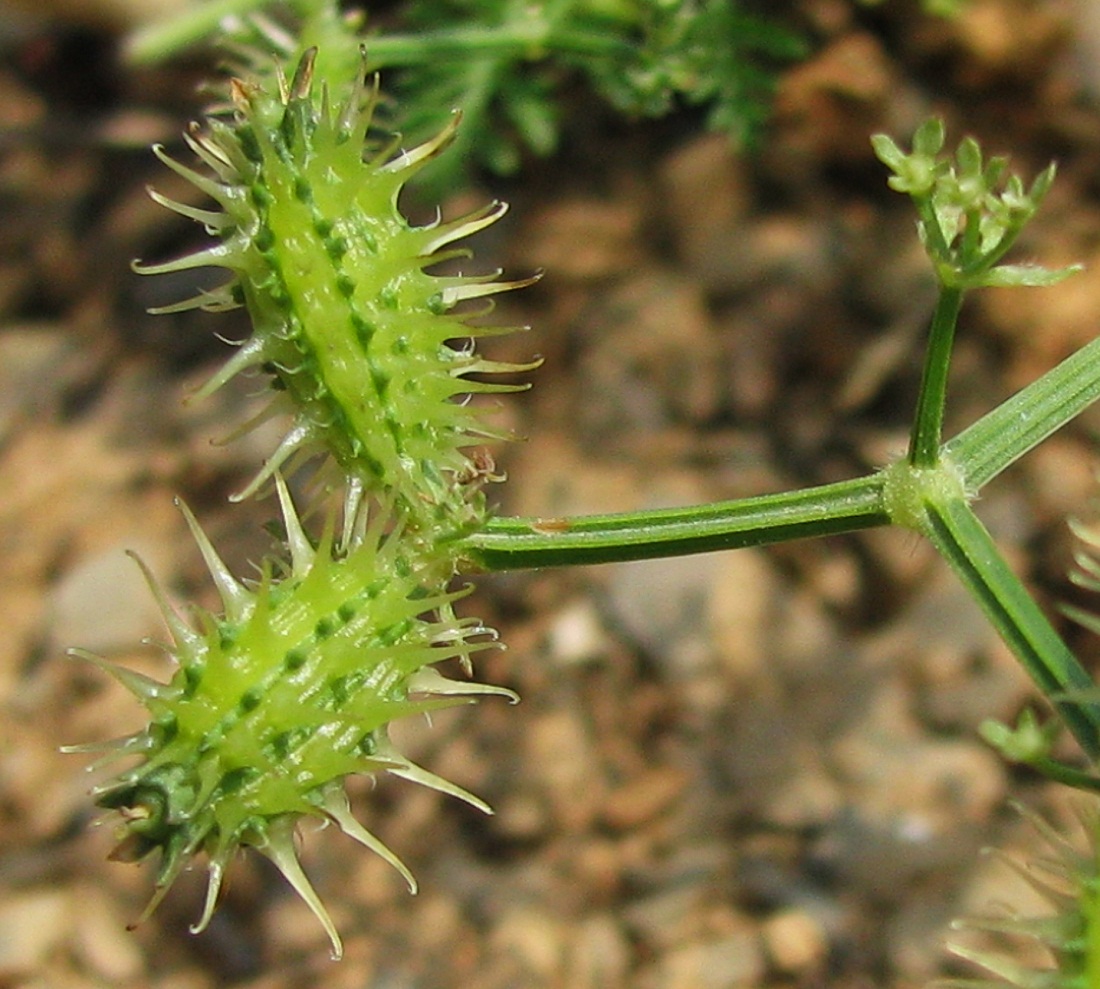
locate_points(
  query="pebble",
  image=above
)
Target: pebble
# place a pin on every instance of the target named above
(742, 591)
(564, 763)
(960, 671)
(1062, 472)
(654, 361)
(730, 962)
(101, 938)
(33, 925)
(576, 634)
(116, 14)
(1014, 40)
(1044, 326)
(536, 939)
(102, 603)
(918, 804)
(584, 239)
(706, 198)
(598, 955)
(1086, 44)
(827, 106)
(768, 766)
(642, 799)
(663, 604)
(37, 362)
(795, 943)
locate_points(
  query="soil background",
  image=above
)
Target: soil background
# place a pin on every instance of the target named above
(757, 768)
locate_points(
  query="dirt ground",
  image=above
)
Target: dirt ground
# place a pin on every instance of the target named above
(752, 769)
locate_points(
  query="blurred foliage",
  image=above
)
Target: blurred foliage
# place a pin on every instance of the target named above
(642, 57)
(505, 64)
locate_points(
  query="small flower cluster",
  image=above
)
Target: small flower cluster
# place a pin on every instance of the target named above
(971, 211)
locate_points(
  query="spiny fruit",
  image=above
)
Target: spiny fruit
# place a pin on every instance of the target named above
(284, 695)
(1068, 880)
(359, 334)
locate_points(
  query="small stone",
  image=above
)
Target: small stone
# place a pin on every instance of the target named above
(102, 604)
(537, 940)
(795, 942)
(103, 941)
(1062, 476)
(917, 804)
(32, 925)
(564, 764)
(644, 798)
(826, 107)
(727, 963)
(659, 603)
(584, 239)
(1086, 44)
(706, 197)
(36, 364)
(996, 40)
(576, 635)
(667, 917)
(655, 360)
(598, 955)
(742, 589)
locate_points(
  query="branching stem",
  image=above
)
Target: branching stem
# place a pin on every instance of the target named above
(924, 443)
(517, 543)
(963, 541)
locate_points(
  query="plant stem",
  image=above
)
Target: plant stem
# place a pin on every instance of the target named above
(525, 39)
(924, 443)
(1017, 425)
(161, 40)
(517, 543)
(963, 541)
(979, 454)
(529, 36)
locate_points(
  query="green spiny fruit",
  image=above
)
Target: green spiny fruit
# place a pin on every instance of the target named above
(279, 699)
(357, 331)
(1069, 881)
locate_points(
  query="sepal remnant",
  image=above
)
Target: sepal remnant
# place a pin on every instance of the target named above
(283, 695)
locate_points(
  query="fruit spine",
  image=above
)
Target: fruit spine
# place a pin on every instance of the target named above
(1067, 880)
(291, 689)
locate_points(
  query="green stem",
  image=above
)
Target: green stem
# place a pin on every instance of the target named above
(526, 39)
(529, 36)
(1060, 773)
(516, 543)
(924, 443)
(979, 454)
(161, 40)
(1017, 425)
(963, 541)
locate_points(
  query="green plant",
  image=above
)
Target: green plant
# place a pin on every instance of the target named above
(502, 62)
(292, 688)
